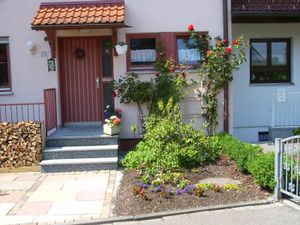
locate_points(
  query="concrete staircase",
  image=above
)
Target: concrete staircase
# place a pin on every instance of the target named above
(80, 148)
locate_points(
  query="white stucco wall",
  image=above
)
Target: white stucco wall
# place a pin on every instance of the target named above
(252, 103)
(30, 74)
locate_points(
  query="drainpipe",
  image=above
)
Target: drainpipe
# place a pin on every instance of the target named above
(226, 88)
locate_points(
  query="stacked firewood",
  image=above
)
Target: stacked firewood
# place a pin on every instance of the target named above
(20, 144)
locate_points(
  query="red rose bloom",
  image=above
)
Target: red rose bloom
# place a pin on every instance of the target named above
(209, 52)
(236, 42)
(114, 94)
(225, 40)
(157, 75)
(191, 27)
(228, 50)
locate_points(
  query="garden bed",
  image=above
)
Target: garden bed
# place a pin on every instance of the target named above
(127, 203)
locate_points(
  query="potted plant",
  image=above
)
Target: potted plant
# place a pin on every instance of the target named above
(112, 122)
(121, 47)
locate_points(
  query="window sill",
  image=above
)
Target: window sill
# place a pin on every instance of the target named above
(271, 84)
(153, 71)
(6, 93)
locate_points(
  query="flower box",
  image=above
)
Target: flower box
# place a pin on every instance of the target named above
(121, 49)
(111, 130)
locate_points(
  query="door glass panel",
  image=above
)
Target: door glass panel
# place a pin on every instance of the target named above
(107, 94)
(107, 62)
(259, 54)
(279, 53)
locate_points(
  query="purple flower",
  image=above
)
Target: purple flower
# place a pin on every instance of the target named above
(143, 185)
(178, 192)
(186, 190)
(159, 188)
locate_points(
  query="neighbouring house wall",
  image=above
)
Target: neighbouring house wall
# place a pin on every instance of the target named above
(30, 74)
(252, 103)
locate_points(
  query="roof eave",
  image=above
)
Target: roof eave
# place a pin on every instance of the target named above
(264, 13)
(77, 26)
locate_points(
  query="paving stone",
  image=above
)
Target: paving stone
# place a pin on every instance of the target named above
(60, 177)
(16, 185)
(8, 176)
(76, 208)
(16, 219)
(53, 196)
(11, 196)
(220, 181)
(50, 186)
(85, 195)
(85, 185)
(28, 177)
(34, 208)
(5, 208)
(92, 176)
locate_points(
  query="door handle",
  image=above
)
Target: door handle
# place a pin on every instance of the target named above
(97, 82)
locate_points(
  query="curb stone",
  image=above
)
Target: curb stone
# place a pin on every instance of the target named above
(174, 213)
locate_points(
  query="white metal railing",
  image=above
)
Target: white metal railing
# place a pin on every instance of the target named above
(287, 167)
(286, 109)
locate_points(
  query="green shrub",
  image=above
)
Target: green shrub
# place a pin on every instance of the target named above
(296, 131)
(239, 151)
(250, 158)
(262, 169)
(170, 144)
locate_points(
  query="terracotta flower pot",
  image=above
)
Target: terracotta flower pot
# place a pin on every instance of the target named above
(111, 130)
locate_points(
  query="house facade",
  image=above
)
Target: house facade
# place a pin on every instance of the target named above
(62, 46)
(265, 92)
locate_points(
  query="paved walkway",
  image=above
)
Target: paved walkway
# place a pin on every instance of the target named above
(55, 198)
(276, 214)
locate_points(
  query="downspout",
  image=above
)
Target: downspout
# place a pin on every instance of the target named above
(226, 88)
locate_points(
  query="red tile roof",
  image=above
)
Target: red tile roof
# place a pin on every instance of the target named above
(265, 6)
(101, 12)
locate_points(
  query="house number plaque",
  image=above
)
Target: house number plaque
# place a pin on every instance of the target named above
(51, 65)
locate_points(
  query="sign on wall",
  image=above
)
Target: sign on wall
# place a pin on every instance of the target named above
(51, 65)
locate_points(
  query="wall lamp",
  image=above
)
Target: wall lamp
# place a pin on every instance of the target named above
(31, 47)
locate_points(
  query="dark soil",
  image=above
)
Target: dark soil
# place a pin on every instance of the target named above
(128, 204)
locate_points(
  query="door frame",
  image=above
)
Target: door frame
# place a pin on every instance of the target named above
(99, 73)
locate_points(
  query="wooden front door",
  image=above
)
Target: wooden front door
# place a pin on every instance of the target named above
(80, 81)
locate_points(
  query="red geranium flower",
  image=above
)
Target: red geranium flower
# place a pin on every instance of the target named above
(228, 50)
(114, 94)
(116, 121)
(191, 27)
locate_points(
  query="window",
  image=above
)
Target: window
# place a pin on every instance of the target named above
(142, 50)
(4, 65)
(270, 61)
(187, 52)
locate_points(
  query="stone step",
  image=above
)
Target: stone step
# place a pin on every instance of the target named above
(65, 141)
(75, 152)
(76, 165)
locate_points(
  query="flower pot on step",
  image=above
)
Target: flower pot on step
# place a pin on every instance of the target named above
(111, 130)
